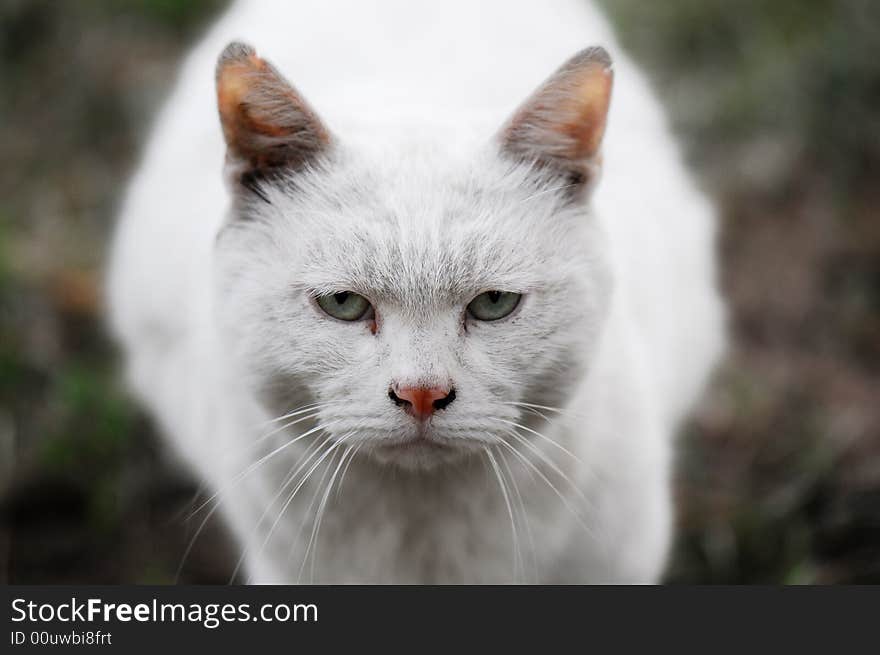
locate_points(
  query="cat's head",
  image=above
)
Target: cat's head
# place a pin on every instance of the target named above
(416, 295)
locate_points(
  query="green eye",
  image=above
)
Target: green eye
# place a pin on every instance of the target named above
(345, 305)
(493, 305)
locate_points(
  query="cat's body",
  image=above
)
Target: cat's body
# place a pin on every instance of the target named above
(618, 327)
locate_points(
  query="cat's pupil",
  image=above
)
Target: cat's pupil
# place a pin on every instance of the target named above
(494, 296)
(341, 297)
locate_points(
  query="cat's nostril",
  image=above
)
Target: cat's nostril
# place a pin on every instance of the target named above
(397, 399)
(442, 403)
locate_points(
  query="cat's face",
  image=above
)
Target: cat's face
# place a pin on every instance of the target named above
(365, 284)
(415, 298)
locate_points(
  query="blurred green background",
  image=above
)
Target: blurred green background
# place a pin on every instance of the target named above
(778, 107)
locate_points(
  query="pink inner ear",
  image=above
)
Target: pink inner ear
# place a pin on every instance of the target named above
(563, 122)
(266, 123)
(589, 108)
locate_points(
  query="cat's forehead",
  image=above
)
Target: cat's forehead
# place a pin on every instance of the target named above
(410, 229)
(429, 255)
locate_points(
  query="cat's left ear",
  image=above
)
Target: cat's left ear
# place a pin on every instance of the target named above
(560, 127)
(267, 124)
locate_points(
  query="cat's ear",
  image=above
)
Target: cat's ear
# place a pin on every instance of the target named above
(267, 125)
(560, 126)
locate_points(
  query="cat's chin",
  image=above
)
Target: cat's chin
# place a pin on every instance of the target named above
(420, 453)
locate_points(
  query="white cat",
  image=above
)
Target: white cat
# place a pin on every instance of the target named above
(478, 350)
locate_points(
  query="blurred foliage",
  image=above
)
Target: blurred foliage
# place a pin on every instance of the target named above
(778, 107)
(803, 72)
(92, 498)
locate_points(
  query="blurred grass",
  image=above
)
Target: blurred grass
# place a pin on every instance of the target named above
(93, 499)
(778, 109)
(800, 73)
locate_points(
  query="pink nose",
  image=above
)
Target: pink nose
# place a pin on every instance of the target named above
(421, 402)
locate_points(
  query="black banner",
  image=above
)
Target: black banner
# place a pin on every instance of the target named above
(230, 619)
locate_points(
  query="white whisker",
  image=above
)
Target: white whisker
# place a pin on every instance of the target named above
(298, 466)
(516, 550)
(538, 413)
(311, 407)
(547, 408)
(556, 444)
(299, 486)
(549, 462)
(523, 514)
(252, 467)
(319, 517)
(347, 466)
(217, 496)
(240, 450)
(543, 477)
(192, 542)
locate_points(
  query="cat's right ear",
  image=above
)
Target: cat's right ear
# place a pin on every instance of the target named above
(268, 126)
(560, 127)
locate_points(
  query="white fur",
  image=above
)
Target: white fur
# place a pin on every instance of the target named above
(619, 326)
